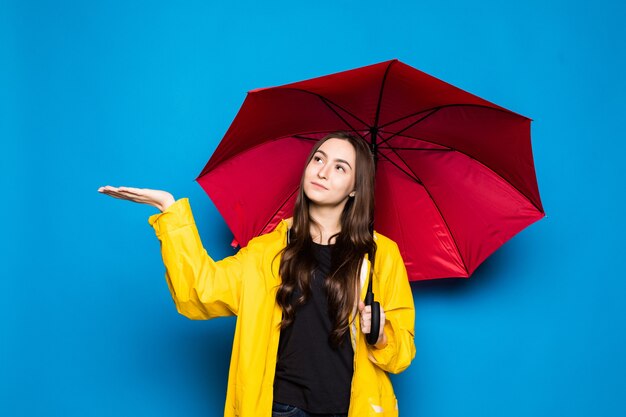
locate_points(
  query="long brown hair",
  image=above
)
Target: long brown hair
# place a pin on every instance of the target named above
(352, 243)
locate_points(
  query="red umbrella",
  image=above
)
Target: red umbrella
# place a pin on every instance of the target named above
(455, 177)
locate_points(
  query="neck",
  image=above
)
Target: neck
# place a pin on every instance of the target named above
(328, 219)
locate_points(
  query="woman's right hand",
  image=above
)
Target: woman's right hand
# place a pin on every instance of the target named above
(157, 198)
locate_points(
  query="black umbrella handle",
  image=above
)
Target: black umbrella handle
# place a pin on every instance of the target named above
(372, 336)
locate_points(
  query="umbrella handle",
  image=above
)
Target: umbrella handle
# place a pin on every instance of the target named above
(372, 336)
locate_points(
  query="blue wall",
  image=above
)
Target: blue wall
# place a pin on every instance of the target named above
(140, 93)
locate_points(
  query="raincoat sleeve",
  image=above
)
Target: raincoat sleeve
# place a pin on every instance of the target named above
(201, 287)
(397, 302)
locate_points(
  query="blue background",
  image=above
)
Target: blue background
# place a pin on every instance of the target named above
(140, 93)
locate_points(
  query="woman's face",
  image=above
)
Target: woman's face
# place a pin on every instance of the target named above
(329, 177)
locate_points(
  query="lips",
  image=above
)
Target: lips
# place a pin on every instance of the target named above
(319, 185)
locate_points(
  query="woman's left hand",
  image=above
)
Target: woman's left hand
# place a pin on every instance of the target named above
(366, 322)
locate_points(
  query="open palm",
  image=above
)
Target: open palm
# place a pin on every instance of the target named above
(157, 198)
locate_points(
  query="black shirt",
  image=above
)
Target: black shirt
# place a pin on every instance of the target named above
(311, 374)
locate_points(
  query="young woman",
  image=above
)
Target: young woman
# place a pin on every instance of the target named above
(298, 349)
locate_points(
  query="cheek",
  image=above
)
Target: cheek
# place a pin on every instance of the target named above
(351, 182)
(308, 171)
(347, 184)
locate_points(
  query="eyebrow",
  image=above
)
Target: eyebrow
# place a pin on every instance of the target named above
(337, 160)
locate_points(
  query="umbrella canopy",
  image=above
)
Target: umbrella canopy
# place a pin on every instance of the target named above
(455, 176)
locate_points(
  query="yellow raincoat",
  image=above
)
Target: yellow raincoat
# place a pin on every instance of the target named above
(245, 285)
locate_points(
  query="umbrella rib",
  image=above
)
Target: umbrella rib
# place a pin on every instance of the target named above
(297, 136)
(408, 174)
(380, 94)
(238, 154)
(326, 101)
(418, 149)
(280, 207)
(473, 159)
(300, 135)
(303, 137)
(450, 105)
(394, 134)
(417, 138)
(436, 206)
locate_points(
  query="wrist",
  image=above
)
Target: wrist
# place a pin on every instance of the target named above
(164, 205)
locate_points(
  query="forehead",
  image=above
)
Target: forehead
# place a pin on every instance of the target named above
(338, 149)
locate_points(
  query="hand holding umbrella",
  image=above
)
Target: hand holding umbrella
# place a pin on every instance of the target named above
(366, 325)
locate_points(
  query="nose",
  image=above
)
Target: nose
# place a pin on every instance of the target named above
(323, 171)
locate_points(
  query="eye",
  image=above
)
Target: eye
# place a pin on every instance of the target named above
(339, 167)
(317, 159)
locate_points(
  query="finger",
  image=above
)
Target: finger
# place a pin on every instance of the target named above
(106, 188)
(365, 327)
(361, 305)
(119, 196)
(125, 196)
(110, 192)
(132, 190)
(114, 191)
